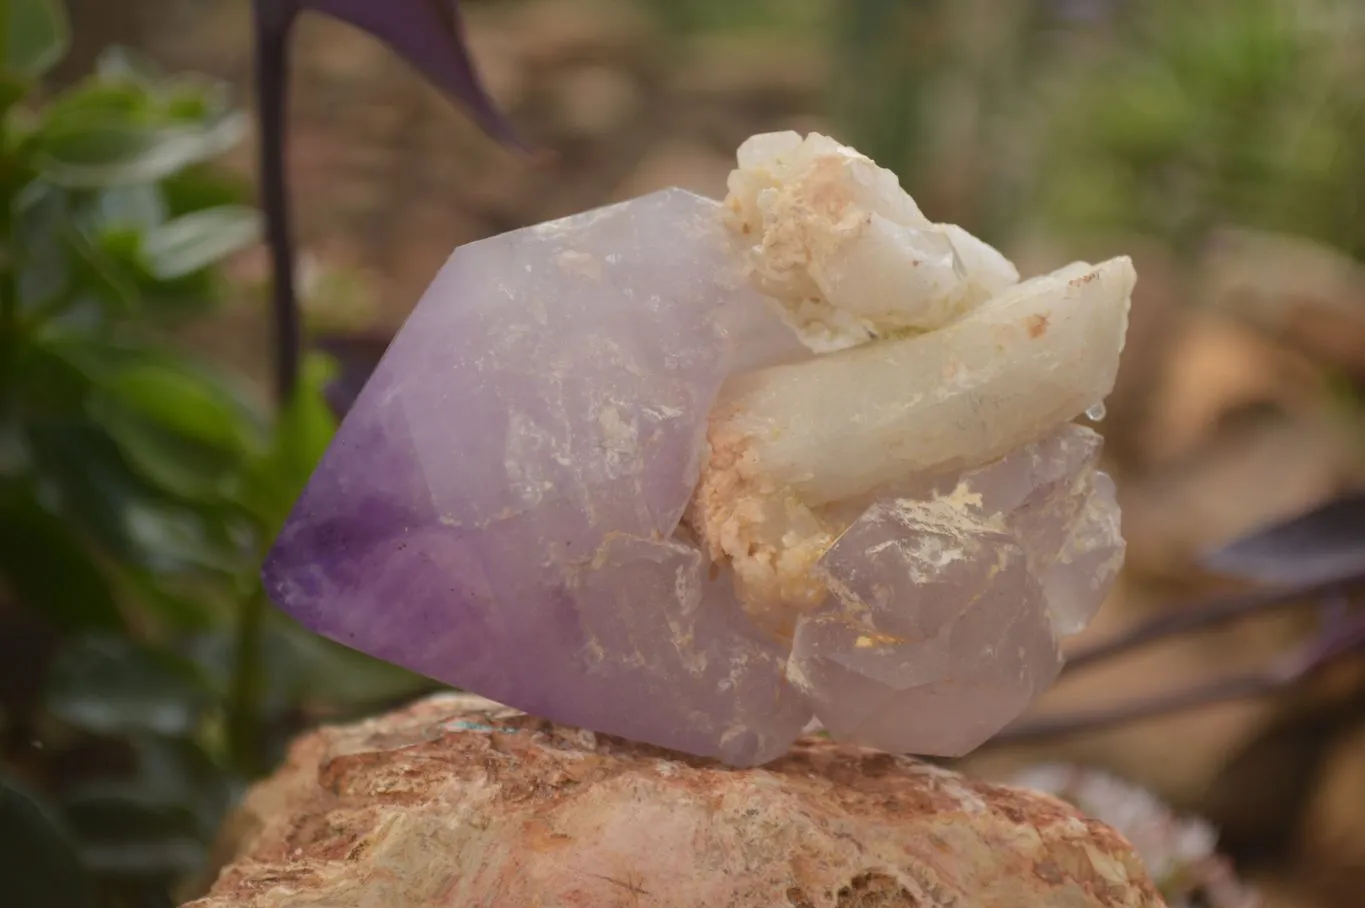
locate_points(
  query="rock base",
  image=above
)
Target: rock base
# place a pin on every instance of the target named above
(457, 801)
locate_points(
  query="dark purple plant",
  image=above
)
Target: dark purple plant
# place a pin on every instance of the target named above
(1326, 544)
(1315, 560)
(430, 36)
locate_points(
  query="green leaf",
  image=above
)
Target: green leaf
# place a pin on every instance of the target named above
(304, 670)
(303, 431)
(191, 401)
(50, 570)
(129, 839)
(12, 91)
(98, 276)
(185, 397)
(321, 671)
(94, 487)
(170, 461)
(126, 89)
(113, 686)
(38, 862)
(307, 424)
(88, 153)
(45, 388)
(175, 537)
(177, 771)
(143, 853)
(16, 455)
(123, 64)
(92, 484)
(197, 240)
(40, 220)
(114, 102)
(193, 98)
(157, 821)
(179, 603)
(59, 266)
(36, 35)
(204, 186)
(140, 207)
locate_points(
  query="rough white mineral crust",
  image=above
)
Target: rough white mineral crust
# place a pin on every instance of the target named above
(847, 253)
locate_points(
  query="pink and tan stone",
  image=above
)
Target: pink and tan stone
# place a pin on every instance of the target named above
(456, 801)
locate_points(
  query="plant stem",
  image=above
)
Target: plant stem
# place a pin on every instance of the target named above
(1209, 613)
(9, 297)
(1341, 635)
(244, 720)
(9, 294)
(1237, 687)
(272, 88)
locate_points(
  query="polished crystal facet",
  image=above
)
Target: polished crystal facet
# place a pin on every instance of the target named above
(691, 473)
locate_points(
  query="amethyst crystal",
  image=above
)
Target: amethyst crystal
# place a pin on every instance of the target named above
(666, 470)
(938, 631)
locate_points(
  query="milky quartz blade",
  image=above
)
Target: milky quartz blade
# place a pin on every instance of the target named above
(1032, 357)
(550, 392)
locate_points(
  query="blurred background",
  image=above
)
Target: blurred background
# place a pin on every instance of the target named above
(144, 681)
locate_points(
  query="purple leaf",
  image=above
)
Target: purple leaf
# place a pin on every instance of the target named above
(426, 33)
(430, 36)
(1324, 545)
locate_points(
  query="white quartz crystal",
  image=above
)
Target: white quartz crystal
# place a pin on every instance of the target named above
(849, 256)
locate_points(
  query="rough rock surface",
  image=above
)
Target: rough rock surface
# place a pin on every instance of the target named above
(456, 801)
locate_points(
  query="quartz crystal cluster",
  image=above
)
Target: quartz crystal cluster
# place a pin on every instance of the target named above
(695, 472)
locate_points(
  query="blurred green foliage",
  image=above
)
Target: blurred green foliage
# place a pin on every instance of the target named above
(1169, 118)
(685, 17)
(139, 487)
(1203, 114)
(933, 90)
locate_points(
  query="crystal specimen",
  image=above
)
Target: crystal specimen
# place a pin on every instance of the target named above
(691, 473)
